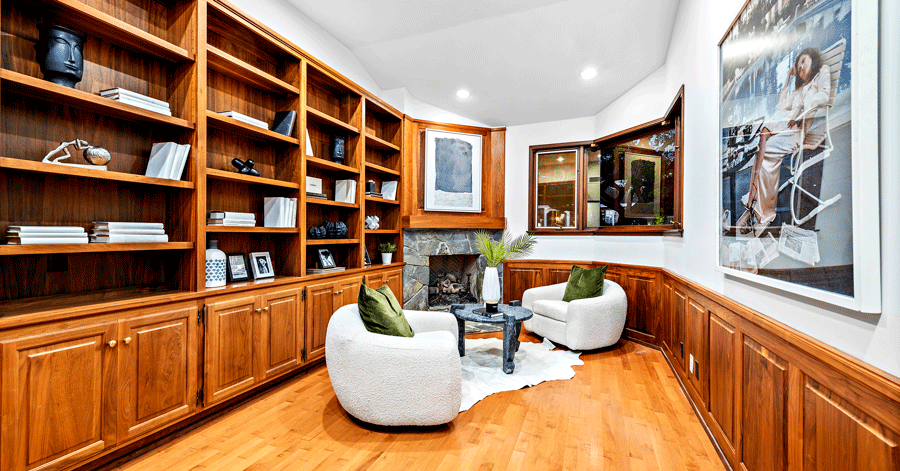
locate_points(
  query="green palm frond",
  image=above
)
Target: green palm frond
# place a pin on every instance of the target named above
(507, 248)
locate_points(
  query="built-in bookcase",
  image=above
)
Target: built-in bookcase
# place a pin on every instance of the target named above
(383, 139)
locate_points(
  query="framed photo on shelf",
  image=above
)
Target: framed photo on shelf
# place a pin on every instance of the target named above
(262, 265)
(236, 264)
(326, 260)
(368, 261)
(452, 171)
(799, 151)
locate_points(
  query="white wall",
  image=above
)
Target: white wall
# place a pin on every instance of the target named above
(693, 61)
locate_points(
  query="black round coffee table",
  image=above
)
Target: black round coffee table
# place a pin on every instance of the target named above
(512, 316)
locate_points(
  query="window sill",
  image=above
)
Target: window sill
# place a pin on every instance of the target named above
(663, 230)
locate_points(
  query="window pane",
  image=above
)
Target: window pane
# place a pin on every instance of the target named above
(636, 181)
(594, 205)
(556, 189)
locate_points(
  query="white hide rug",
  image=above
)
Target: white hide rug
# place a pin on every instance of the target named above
(482, 368)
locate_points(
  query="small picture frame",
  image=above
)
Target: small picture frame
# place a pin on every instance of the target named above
(237, 269)
(368, 260)
(262, 265)
(325, 259)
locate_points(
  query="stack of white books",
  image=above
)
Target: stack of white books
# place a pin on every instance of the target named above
(245, 119)
(167, 160)
(31, 235)
(136, 99)
(105, 232)
(227, 218)
(280, 212)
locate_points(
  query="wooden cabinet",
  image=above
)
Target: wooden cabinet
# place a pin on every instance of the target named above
(393, 279)
(322, 300)
(250, 337)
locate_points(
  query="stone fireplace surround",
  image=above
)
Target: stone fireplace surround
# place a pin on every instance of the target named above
(419, 244)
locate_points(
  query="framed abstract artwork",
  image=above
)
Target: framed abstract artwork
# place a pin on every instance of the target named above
(643, 178)
(452, 171)
(799, 157)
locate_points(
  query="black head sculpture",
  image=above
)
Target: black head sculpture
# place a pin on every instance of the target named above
(59, 53)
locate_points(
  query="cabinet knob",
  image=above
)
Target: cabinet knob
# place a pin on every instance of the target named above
(112, 343)
(127, 340)
(258, 310)
(266, 309)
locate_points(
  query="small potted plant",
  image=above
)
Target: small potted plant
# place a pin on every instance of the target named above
(495, 252)
(387, 250)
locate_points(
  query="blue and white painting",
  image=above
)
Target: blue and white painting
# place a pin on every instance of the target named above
(452, 171)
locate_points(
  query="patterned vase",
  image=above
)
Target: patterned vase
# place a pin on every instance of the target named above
(215, 266)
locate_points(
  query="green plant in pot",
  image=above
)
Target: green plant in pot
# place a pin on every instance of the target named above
(495, 252)
(387, 250)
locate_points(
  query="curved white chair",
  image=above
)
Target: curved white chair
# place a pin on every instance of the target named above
(388, 380)
(582, 324)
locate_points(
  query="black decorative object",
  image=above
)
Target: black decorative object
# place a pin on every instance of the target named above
(284, 122)
(336, 230)
(59, 54)
(336, 150)
(316, 232)
(368, 261)
(370, 187)
(245, 168)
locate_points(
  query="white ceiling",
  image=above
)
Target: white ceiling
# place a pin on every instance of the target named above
(520, 59)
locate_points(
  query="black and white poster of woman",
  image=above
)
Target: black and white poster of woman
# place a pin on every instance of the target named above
(787, 143)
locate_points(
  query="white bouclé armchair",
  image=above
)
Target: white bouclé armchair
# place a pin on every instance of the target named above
(582, 324)
(388, 380)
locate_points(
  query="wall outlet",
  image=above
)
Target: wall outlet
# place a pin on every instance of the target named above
(691, 363)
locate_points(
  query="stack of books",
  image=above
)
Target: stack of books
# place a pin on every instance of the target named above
(280, 212)
(317, 271)
(31, 235)
(167, 160)
(374, 194)
(245, 119)
(136, 99)
(321, 196)
(105, 232)
(227, 218)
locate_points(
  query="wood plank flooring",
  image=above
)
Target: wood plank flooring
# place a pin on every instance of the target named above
(624, 410)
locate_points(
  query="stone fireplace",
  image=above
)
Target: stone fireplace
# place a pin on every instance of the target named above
(443, 267)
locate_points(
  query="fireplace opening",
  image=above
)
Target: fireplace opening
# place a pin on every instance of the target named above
(453, 279)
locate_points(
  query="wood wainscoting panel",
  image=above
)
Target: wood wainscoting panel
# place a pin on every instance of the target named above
(643, 306)
(839, 436)
(517, 279)
(764, 410)
(722, 380)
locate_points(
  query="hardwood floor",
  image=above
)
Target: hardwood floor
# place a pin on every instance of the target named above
(624, 410)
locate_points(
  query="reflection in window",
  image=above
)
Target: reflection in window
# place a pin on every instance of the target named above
(557, 188)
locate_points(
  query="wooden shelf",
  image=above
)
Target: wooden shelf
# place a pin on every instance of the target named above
(380, 169)
(382, 231)
(237, 177)
(331, 241)
(329, 165)
(331, 203)
(48, 91)
(225, 63)
(381, 200)
(90, 248)
(86, 18)
(225, 123)
(253, 230)
(317, 116)
(68, 171)
(379, 143)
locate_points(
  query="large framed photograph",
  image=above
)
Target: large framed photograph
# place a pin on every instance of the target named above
(237, 267)
(799, 181)
(643, 178)
(262, 265)
(452, 171)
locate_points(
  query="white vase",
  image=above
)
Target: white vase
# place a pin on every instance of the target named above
(386, 258)
(490, 286)
(215, 265)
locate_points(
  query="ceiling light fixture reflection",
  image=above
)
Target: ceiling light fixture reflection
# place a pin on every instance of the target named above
(462, 93)
(560, 159)
(588, 73)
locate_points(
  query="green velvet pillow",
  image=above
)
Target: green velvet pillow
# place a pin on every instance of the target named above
(381, 313)
(585, 283)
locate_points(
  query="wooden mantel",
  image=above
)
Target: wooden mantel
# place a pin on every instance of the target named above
(413, 211)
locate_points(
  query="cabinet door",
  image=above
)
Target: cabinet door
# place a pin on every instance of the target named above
(375, 281)
(320, 305)
(642, 320)
(348, 291)
(280, 332)
(394, 280)
(58, 397)
(229, 347)
(157, 369)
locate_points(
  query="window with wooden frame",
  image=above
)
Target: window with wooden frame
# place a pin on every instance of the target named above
(629, 182)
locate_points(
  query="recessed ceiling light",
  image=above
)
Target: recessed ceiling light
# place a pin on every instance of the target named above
(462, 93)
(588, 73)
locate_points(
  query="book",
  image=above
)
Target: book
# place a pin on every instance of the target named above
(345, 191)
(128, 231)
(104, 225)
(230, 222)
(374, 194)
(245, 119)
(113, 92)
(129, 238)
(179, 160)
(144, 105)
(309, 150)
(284, 122)
(46, 229)
(161, 157)
(313, 185)
(276, 212)
(47, 240)
(318, 196)
(232, 215)
(389, 190)
(38, 235)
(317, 271)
